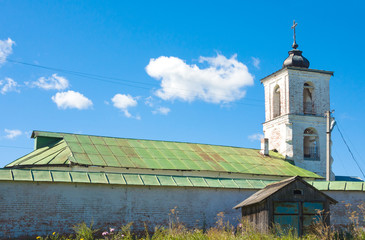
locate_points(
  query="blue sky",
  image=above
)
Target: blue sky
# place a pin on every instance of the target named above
(126, 47)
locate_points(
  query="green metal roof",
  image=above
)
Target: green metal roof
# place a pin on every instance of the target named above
(338, 185)
(56, 153)
(85, 150)
(31, 175)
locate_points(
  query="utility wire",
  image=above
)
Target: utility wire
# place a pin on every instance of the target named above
(81, 74)
(114, 80)
(353, 157)
(3, 146)
(337, 156)
(351, 144)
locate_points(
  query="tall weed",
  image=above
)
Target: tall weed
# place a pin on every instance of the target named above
(223, 230)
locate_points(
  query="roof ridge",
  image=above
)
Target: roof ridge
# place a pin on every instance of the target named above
(144, 139)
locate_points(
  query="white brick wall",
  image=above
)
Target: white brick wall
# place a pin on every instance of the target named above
(340, 213)
(31, 209)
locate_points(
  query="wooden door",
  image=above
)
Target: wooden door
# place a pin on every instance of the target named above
(296, 216)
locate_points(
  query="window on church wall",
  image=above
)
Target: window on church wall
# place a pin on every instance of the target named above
(276, 102)
(310, 144)
(308, 103)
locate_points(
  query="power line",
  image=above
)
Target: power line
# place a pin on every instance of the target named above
(341, 162)
(4, 146)
(351, 144)
(114, 80)
(81, 74)
(353, 157)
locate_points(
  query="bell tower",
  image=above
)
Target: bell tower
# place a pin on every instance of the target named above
(296, 99)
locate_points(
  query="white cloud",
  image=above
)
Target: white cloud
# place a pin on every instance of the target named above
(161, 110)
(123, 102)
(71, 99)
(220, 82)
(6, 48)
(256, 137)
(11, 134)
(256, 62)
(149, 101)
(8, 85)
(53, 82)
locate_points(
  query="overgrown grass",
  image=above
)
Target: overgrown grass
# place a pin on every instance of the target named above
(222, 231)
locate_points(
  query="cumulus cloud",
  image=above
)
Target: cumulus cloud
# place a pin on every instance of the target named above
(6, 48)
(221, 81)
(256, 137)
(11, 134)
(161, 110)
(8, 85)
(71, 99)
(123, 102)
(256, 62)
(53, 82)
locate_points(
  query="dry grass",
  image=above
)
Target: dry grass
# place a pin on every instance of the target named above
(223, 230)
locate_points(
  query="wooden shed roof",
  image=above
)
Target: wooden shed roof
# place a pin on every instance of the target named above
(272, 188)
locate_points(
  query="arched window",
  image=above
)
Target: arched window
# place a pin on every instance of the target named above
(310, 144)
(276, 102)
(308, 104)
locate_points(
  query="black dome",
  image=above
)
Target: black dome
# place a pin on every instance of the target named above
(296, 59)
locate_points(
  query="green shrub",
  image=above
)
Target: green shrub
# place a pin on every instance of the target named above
(83, 232)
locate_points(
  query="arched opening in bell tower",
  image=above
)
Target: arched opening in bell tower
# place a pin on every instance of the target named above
(276, 102)
(308, 104)
(310, 144)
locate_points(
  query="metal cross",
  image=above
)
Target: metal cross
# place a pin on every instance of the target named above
(295, 45)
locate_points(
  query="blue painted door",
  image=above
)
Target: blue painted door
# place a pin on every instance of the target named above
(311, 214)
(286, 216)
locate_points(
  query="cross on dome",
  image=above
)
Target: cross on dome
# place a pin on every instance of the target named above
(295, 58)
(295, 45)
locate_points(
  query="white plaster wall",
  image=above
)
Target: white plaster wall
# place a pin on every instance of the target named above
(285, 133)
(300, 123)
(31, 209)
(279, 133)
(269, 85)
(348, 201)
(321, 95)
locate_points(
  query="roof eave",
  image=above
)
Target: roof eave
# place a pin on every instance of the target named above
(299, 69)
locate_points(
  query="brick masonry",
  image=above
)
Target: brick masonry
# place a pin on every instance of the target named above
(285, 132)
(31, 208)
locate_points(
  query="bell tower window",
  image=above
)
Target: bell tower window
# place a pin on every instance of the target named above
(308, 104)
(310, 144)
(276, 102)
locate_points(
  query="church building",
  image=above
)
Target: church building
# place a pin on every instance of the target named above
(72, 178)
(296, 101)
